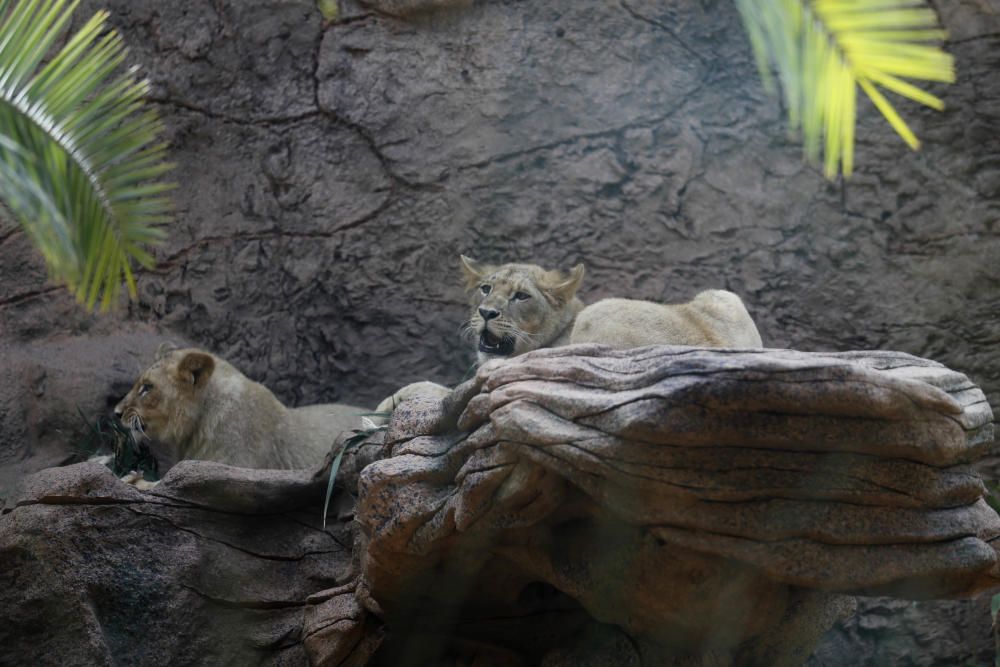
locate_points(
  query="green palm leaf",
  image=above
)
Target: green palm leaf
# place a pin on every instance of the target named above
(822, 50)
(78, 154)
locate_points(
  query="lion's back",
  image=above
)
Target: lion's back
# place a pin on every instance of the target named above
(714, 318)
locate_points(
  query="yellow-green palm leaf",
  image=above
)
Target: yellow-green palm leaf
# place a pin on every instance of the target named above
(822, 50)
(79, 156)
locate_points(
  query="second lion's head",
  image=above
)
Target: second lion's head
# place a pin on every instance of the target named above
(517, 308)
(165, 402)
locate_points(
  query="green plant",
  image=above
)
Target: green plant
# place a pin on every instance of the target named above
(822, 50)
(358, 436)
(79, 155)
(328, 8)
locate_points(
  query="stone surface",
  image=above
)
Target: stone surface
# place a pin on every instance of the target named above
(331, 174)
(95, 572)
(703, 501)
(931, 633)
(53, 388)
(578, 505)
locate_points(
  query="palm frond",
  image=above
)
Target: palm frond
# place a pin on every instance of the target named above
(822, 50)
(79, 156)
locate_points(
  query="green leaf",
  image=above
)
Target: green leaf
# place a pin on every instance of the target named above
(334, 468)
(824, 49)
(890, 114)
(328, 8)
(359, 436)
(79, 155)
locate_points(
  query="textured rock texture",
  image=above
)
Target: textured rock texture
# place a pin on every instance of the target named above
(331, 174)
(709, 504)
(660, 506)
(53, 387)
(216, 566)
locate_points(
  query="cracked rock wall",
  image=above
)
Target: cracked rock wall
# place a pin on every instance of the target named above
(331, 174)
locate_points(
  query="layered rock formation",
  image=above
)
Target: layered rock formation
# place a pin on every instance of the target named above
(570, 506)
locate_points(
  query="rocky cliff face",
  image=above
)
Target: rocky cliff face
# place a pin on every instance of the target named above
(331, 174)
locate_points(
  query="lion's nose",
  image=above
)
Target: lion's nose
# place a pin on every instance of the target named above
(489, 314)
(118, 412)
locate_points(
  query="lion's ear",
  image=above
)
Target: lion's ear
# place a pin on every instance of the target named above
(566, 286)
(163, 349)
(473, 271)
(195, 368)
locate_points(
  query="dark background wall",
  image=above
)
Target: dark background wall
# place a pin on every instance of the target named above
(331, 174)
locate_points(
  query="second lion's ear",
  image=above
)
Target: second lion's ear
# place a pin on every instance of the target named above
(566, 288)
(195, 368)
(473, 272)
(163, 349)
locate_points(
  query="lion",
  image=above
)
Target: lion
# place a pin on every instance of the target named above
(199, 406)
(522, 307)
(517, 308)
(713, 318)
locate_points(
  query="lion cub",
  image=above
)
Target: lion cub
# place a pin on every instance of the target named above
(522, 307)
(517, 308)
(201, 407)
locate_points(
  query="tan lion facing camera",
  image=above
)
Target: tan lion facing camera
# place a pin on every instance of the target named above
(201, 407)
(517, 308)
(523, 307)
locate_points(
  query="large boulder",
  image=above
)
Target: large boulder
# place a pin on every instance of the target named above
(571, 506)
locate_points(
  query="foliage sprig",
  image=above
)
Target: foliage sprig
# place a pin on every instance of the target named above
(79, 152)
(823, 50)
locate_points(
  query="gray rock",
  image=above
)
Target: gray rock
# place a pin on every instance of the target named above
(607, 475)
(95, 572)
(505, 524)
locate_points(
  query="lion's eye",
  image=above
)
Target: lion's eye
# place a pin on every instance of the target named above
(521, 296)
(485, 289)
(145, 389)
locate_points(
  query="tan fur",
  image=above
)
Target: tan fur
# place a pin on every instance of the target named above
(714, 318)
(422, 389)
(553, 316)
(201, 407)
(543, 319)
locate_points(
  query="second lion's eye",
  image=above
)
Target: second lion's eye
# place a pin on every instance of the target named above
(145, 389)
(485, 289)
(521, 296)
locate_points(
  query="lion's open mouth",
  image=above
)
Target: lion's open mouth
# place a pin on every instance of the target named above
(499, 345)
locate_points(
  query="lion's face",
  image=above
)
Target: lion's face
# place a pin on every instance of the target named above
(517, 307)
(163, 404)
